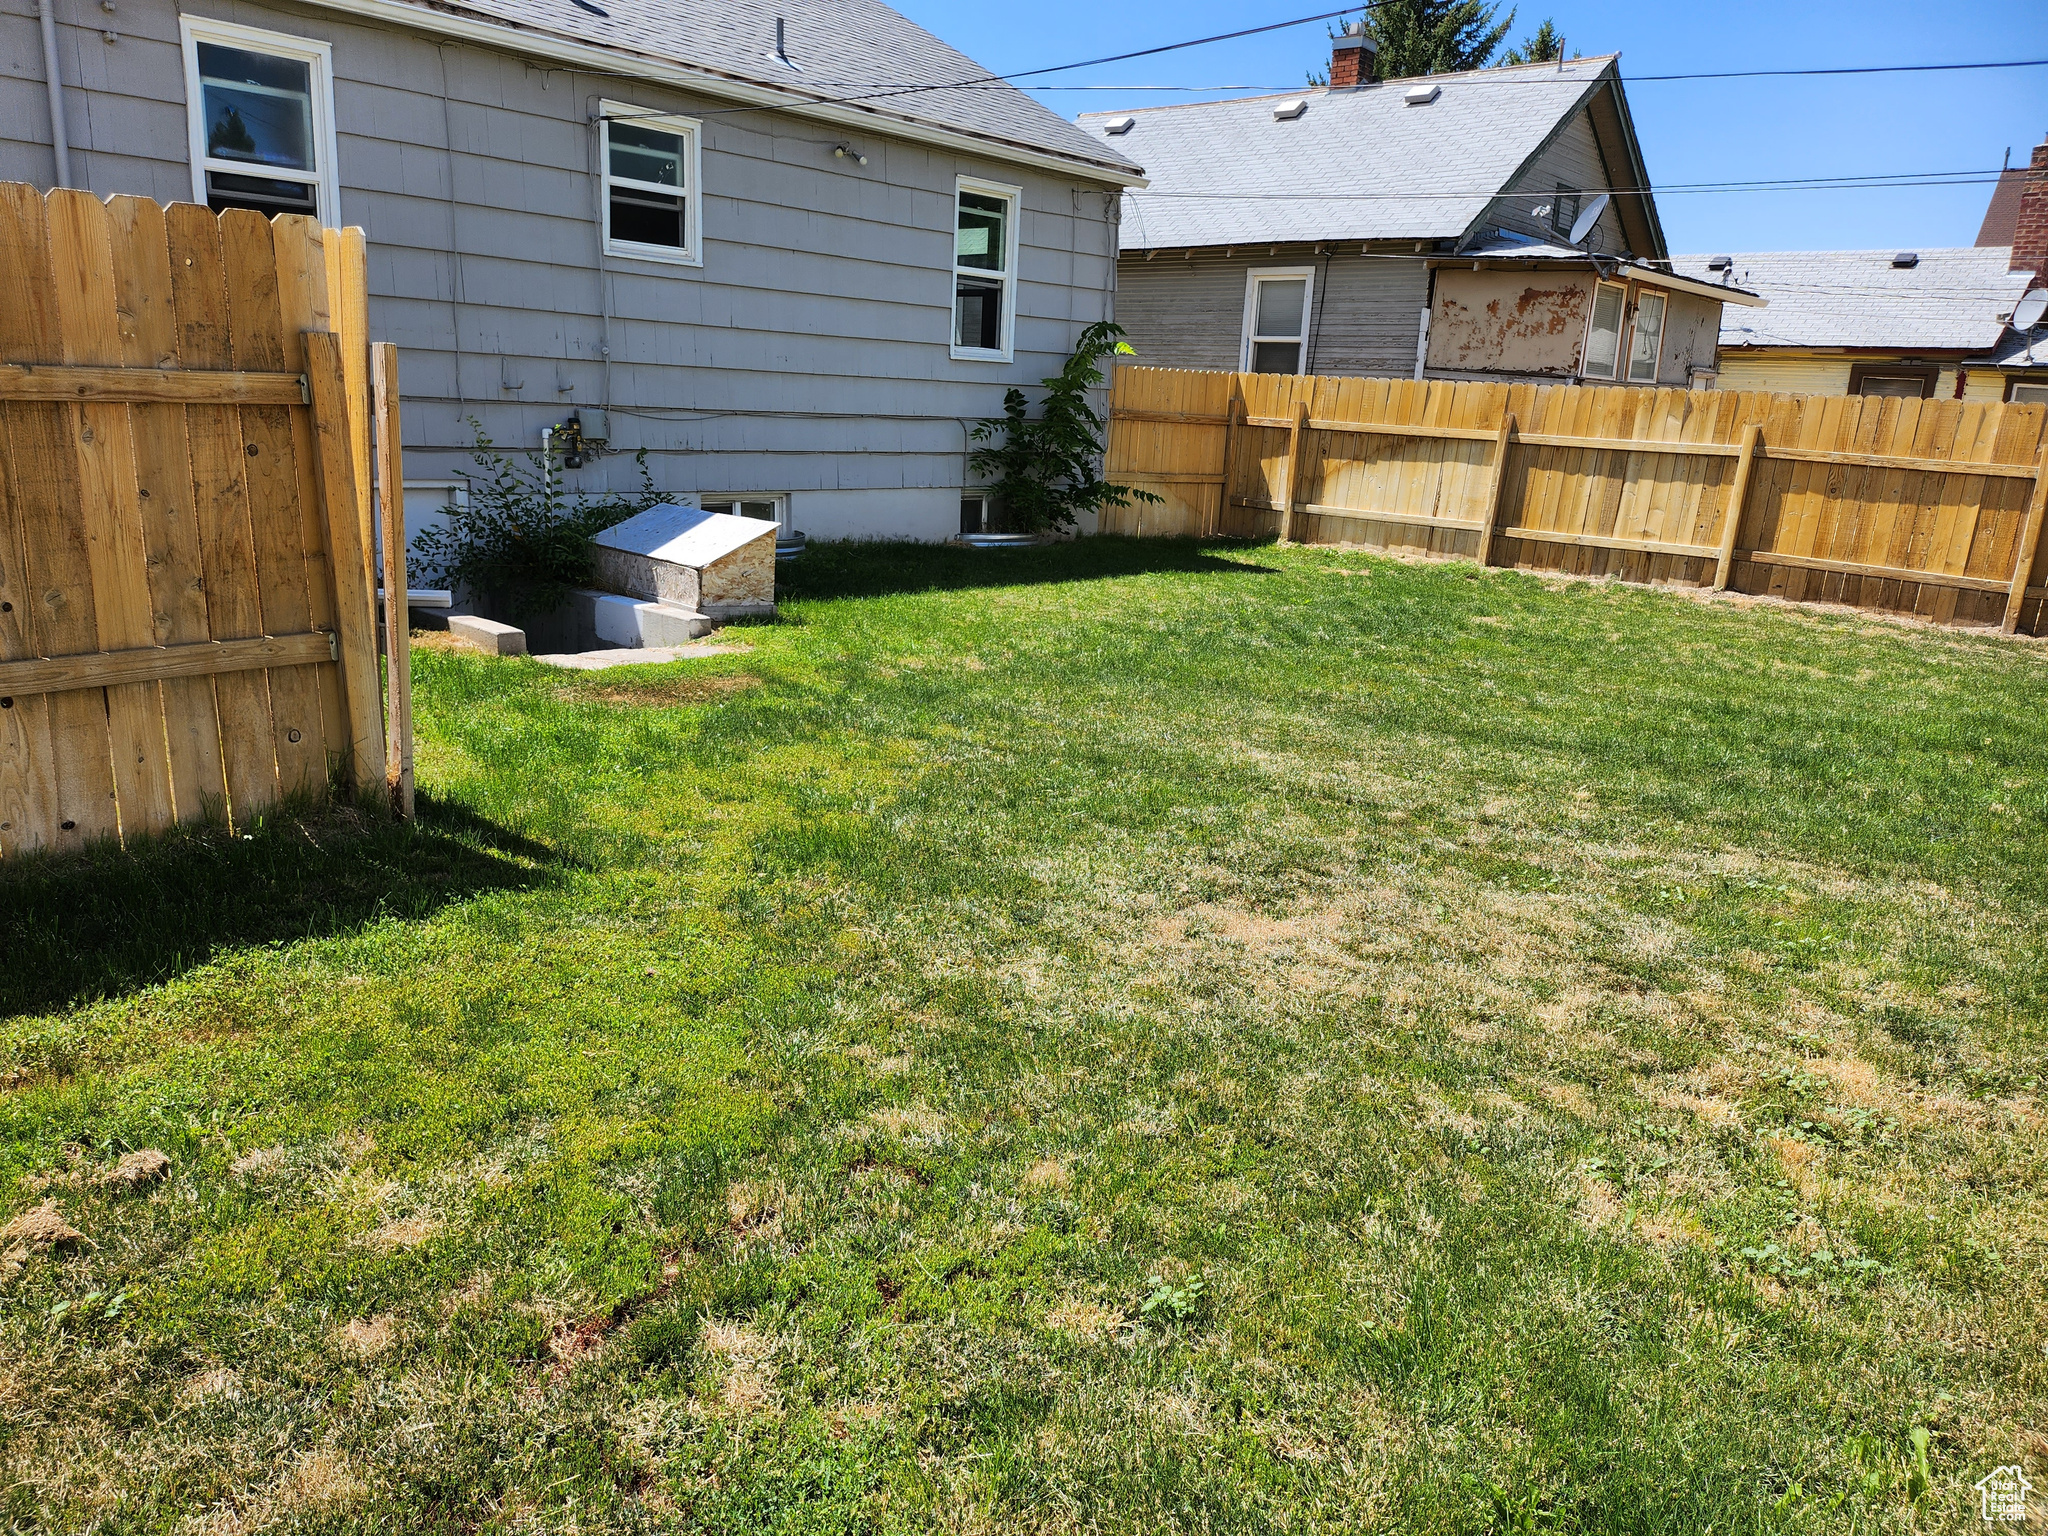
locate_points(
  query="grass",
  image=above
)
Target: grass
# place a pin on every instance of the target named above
(1126, 1037)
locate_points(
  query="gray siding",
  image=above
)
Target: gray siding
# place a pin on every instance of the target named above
(807, 356)
(1572, 158)
(1183, 313)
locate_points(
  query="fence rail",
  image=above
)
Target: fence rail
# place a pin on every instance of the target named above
(186, 625)
(1924, 506)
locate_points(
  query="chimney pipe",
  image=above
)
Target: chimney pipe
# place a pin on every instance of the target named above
(2030, 230)
(1354, 58)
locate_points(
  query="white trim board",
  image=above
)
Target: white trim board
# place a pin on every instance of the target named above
(565, 50)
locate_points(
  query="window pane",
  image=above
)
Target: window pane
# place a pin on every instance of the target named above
(2030, 394)
(648, 218)
(1648, 340)
(1279, 308)
(764, 510)
(1898, 388)
(1564, 212)
(266, 196)
(982, 239)
(971, 510)
(1276, 357)
(1603, 343)
(978, 314)
(645, 155)
(257, 108)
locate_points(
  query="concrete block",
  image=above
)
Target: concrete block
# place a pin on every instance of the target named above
(487, 635)
(634, 624)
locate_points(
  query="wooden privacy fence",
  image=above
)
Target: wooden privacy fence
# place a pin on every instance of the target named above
(1924, 506)
(186, 620)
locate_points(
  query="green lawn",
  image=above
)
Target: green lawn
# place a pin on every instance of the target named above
(1125, 1038)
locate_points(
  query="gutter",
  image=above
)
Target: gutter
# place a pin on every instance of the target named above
(59, 139)
(561, 50)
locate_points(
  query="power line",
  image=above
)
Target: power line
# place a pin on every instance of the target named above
(1783, 184)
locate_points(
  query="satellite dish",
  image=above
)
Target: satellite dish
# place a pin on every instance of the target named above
(1582, 226)
(2027, 313)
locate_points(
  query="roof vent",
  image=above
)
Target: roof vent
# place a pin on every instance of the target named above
(1422, 95)
(1288, 111)
(1720, 263)
(1118, 125)
(1906, 259)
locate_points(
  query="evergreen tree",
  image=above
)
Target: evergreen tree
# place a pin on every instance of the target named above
(1543, 46)
(1434, 37)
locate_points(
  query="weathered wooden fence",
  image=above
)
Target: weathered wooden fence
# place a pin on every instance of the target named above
(1924, 506)
(186, 620)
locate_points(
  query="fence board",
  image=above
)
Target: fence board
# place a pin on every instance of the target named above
(220, 493)
(1919, 505)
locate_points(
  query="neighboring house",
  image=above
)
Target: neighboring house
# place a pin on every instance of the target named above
(1926, 324)
(742, 236)
(1405, 228)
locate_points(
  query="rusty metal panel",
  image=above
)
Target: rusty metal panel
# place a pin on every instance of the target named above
(1509, 322)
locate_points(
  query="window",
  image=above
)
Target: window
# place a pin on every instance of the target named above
(1564, 211)
(1603, 333)
(974, 512)
(1277, 305)
(984, 269)
(1648, 338)
(2027, 394)
(259, 107)
(1901, 381)
(651, 192)
(771, 509)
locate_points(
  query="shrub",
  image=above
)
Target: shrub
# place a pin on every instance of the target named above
(1045, 471)
(523, 538)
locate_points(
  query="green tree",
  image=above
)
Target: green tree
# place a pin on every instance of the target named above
(1434, 37)
(1044, 471)
(1543, 46)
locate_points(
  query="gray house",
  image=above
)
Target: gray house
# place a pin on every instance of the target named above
(1408, 228)
(792, 250)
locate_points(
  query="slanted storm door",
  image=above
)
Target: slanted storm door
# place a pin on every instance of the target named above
(1277, 304)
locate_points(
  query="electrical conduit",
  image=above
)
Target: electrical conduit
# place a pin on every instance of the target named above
(56, 85)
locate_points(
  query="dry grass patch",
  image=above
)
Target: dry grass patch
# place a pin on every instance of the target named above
(365, 1338)
(1080, 1318)
(402, 1231)
(747, 1385)
(663, 693)
(1047, 1173)
(911, 1122)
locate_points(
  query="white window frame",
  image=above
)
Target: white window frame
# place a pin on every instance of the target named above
(1247, 339)
(1007, 277)
(1621, 330)
(2035, 394)
(1663, 320)
(777, 499)
(689, 130)
(319, 56)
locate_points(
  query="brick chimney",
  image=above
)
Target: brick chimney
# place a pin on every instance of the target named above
(1353, 58)
(2030, 230)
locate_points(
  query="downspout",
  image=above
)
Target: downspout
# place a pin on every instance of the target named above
(1422, 330)
(56, 85)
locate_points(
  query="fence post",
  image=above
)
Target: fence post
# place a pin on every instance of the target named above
(397, 615)
(355, 617)
(1494, 492)
(1294, 441)
(1738, 493)
(2030, 540)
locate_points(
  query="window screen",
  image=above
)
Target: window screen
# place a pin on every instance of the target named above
(1648, 339)
(1279, 322)
(1603, 336)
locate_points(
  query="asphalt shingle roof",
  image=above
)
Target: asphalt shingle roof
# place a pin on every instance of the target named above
(1359, 164)
(842, 48)
(1952, 300)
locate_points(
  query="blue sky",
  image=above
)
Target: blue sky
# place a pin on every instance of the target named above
(1692, 131)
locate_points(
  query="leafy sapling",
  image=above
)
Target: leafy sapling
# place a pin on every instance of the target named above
(1045, 473)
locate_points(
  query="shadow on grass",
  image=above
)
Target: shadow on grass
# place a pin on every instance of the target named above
(881, 569)
(110, 921)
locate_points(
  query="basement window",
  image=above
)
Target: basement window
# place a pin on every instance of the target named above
(1603, 332)
(1277, 305)
(650, 185)
(259, 110)
(976, 512)
(1647, 340)
(984, 269)
(770, 509)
